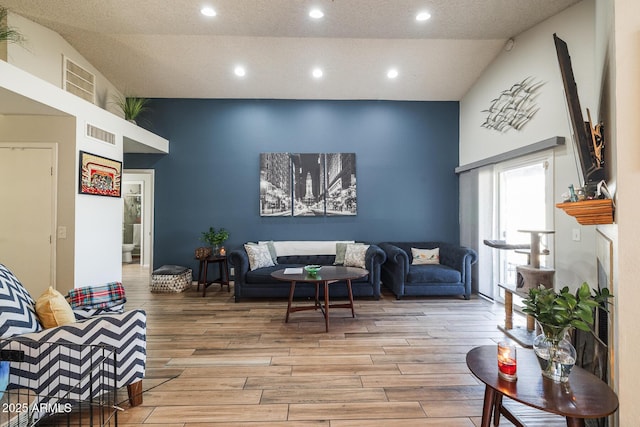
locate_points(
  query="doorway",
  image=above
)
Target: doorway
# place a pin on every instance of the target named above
(28, 173)
(137, 217)
(524, 202)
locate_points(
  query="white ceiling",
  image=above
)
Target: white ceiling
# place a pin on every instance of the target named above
(167, 49)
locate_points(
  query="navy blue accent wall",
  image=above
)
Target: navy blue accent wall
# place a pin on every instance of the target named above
(406, 153)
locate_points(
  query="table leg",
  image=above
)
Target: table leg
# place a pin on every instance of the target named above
(326, 306)
(487, 407)
(200, 264)
(291, 289)
(497, 403)
(353, 312)
(204, 279)
(575, 422)
(226, 274)
(317, 302)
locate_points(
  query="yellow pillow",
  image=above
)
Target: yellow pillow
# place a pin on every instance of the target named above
(53, 309)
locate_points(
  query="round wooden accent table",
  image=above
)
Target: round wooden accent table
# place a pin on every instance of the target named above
(583, 396)
(325, 277)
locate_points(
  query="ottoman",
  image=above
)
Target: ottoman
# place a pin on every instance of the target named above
(170, 278)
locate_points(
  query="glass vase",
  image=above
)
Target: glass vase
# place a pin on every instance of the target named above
(555, 353)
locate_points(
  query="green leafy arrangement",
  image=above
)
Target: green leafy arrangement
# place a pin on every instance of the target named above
(214, 237)
(131, 106)
(7, 33)
(557, 311)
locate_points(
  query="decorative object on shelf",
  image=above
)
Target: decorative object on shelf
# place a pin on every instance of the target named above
(507, 361)
(131, 106)
(203, 252)
(557, 313)
(7, 33)
(307, 184)
(514, 107)
(215, 238)
(99, 176)
(312, 270)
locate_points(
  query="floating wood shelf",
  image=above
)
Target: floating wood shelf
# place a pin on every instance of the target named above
(590, 212)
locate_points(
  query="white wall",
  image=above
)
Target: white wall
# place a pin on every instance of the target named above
(42, 53)
(534, 55)
(626, 111)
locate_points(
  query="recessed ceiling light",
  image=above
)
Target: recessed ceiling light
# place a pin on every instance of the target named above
(208, 11)
(423, 16)
(239, 71)
(316, 13)
(317, 73)
(392, 73)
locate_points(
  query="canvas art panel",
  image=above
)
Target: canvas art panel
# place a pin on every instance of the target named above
(275, 184)
(308, 184)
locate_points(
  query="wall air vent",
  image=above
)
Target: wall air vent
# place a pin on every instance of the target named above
(78, 81)
(101, 134)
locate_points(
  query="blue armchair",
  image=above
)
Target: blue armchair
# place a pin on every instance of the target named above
(451, 277)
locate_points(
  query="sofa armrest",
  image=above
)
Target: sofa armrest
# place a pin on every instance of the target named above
(396, 256)
(240, 262)
(461, 258)
(374, 258)
(395, 269)
(59, 362)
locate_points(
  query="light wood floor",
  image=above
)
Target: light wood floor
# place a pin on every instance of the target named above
(215, 362)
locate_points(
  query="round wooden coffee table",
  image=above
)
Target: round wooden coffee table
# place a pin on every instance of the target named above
(583, 396)
(325, 277)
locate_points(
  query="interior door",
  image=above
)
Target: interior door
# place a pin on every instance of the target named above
(27, 188)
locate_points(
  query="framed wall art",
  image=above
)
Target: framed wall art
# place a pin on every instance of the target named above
(100, 176)
(307, 184)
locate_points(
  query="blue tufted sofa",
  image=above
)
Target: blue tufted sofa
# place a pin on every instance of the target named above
(451, 277)
(259, 283)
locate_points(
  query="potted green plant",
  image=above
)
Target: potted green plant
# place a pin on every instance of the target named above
(215, 238)
(7, 33)
(131, 106)
(556, 314)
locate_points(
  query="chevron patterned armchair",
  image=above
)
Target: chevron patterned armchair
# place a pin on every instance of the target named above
(76, 361)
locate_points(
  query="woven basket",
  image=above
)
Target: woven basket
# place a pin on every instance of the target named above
(203, 252)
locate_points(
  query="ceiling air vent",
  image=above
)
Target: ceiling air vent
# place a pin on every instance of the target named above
(78, 81)
(101, 134)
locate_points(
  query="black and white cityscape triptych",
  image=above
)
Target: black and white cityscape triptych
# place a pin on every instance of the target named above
(307, 184)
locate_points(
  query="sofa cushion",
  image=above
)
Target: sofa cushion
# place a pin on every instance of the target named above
(425, 256)
(259, 256)
(53, 309)
(433, 273)
(355, 256)
(17, 306)
(263, 275)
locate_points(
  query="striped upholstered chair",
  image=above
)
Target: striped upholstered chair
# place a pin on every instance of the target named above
(76, 362)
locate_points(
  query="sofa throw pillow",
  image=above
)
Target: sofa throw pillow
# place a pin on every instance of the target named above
(425, 256)
(355, 254)
(259, 256)
(53, 309)
(272, 251)
(17, 307)
(341, 249)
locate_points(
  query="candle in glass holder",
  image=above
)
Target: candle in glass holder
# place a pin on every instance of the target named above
(223, 252)
(507, 361)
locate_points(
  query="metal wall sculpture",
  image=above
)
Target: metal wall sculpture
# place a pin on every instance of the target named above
(514, 107)
(307, 184)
